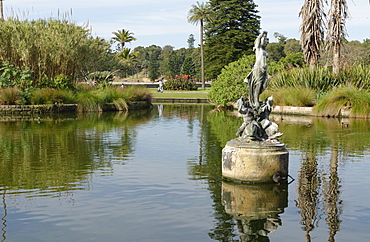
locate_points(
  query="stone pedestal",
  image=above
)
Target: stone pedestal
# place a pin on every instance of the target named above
(254, 162)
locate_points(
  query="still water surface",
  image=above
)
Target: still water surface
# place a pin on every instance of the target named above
(155, 175)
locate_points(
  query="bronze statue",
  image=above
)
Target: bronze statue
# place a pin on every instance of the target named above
(257, 79)
(256, 125)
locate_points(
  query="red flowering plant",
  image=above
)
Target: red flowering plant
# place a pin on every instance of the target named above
(181, 82)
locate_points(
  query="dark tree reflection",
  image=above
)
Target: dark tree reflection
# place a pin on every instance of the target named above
(332, 203)
(308, 195)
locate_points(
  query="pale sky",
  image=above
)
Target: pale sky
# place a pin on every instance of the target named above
(164, 22)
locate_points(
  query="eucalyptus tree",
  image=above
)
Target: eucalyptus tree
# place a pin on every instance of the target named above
(123, 36)
(200, 13)
(312, 30)
(338, 14)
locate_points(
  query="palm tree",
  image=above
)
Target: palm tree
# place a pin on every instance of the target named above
(312, 30)
(338, 13)
(128, 56)
(123, 36)
(200, 13)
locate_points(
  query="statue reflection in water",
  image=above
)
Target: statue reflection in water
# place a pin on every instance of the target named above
(255, 208)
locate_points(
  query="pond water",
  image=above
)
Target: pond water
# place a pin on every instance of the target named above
(155, 175)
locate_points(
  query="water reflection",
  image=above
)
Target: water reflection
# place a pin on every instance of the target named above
(36, 158)
(332, 202)
(256, 208)
(57, 156)
(308, 195)
(3, 218)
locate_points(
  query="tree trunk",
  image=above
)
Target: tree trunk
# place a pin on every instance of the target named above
(201, 53)
(336, 58)
(1, 10)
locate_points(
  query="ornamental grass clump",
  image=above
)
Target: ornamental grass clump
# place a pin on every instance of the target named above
(51, 96)
(95, 99)
(10, 96)
(291, 96)
(135, 93)
(350, 98)
(88, 102)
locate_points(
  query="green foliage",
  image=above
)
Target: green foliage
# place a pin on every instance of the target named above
(293, 60)
(191, 41)
(291, 96)
(88, 102)
(357, 76)
(51, 96)
(181, 82)
(188, 67)
(49, 48)
(136, 93)
(345, 98)
(275, 51)
(230, 84)
(10, 95)
(319, 79)
(101, 78)
(94, 99)
(230, 35)
(11, 75)
(62, 82)
(153, 63)
(292, 46)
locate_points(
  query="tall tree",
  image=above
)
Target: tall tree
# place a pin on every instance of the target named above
(191, 41)
(312, 30)
(188, 67)
(1, 10)
(123, 36)
(200, 13)
(338, 13)
(153, 53)
(231, 34)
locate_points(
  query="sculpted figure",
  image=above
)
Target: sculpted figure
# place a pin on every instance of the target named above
(251, 129)
(256, 125)
(257, 78)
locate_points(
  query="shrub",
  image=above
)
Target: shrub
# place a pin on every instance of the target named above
(62, 82)
(229, 86)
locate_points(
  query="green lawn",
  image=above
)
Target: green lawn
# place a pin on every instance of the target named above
(200, 93)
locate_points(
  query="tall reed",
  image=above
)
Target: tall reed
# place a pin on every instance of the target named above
(50, 47)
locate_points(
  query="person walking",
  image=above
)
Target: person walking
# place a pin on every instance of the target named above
(160, 88)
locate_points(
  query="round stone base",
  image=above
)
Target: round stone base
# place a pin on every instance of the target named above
(254, 162)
